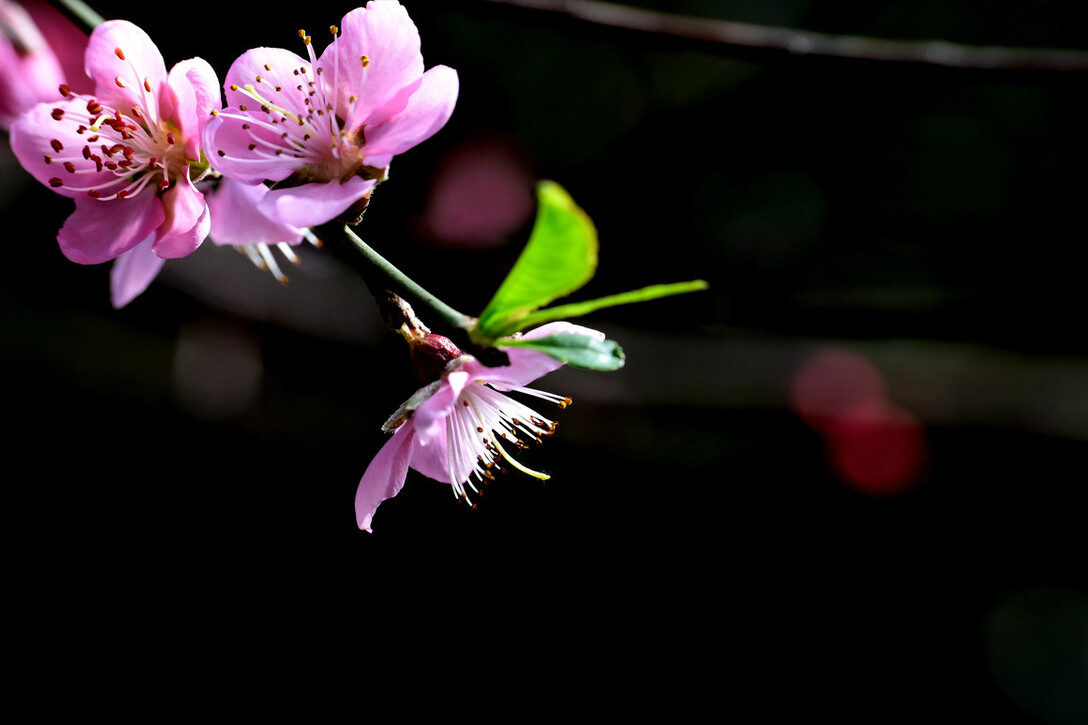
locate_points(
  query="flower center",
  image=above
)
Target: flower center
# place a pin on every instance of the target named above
(300, 119)
(121, 153)
(482, 421)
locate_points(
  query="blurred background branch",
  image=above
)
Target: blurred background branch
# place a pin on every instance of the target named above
(766, 43)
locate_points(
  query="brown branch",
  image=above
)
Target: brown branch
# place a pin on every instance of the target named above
(765, 42)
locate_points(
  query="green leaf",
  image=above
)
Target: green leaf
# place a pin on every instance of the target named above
(560, 257)
(577, 309)
(579, 351)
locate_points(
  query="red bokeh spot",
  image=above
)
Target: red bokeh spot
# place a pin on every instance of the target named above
(877, 448)
(873, 445)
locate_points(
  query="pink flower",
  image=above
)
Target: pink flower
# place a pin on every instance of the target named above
(129, 155)
(326, 129)
(456, 429)
(37, 49)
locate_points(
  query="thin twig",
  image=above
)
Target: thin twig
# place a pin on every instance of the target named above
(767, 42)
(379, 275)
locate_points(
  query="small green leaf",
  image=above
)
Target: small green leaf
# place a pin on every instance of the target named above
(577, 309)
(579, 351)
(560, 257)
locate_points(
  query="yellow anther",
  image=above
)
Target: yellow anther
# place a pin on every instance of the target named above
(365, 59)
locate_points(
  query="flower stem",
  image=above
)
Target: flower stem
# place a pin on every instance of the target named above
(79, 12)
(380, 275)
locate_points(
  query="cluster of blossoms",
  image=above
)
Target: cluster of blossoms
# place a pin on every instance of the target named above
(155, 164)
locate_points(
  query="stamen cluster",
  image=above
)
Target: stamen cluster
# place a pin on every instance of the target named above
(122, 152)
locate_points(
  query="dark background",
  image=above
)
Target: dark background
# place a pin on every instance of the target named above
(700, 543)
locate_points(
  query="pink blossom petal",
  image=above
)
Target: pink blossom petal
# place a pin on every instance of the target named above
(525, 366)
(430, 417)
(561, 328)
(385, 475)
(312, 204)
(236, 220)
(247, 141)
(132, 272)
(388, 38)
(427, 111)
(68, 42)
(99, 231)
(196, 92)
(120, 50)
(277, 69)
(226, 145)
(187, 220)
(30, 71)
(432, 460)
(35, 139)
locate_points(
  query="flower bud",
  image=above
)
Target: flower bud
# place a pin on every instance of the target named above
(431, 355)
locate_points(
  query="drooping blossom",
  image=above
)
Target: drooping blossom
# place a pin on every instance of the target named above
(39, 49)
(457, 429)
(129, 154)
(235, 221)
(325, 129)
(238, 221)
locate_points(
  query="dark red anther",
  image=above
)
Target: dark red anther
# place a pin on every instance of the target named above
(92, 139)
(137, 113)
(97, 161)
(87, 152)
(65, 90)
(170, 139)
(69, 167)
(164, 185)
(122, 193)
(93, 193)
(111, 165)
(94, 107)
(57, 146)
(57, 114)
(124, 163)
(56, 183)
